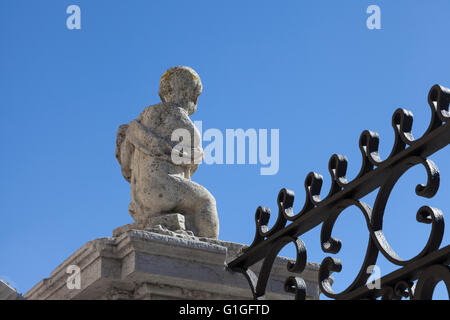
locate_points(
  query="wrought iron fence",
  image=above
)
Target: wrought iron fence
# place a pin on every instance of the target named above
(428, 267)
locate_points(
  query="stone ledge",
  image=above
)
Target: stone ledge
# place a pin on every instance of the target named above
(8, 293)
(156, 264)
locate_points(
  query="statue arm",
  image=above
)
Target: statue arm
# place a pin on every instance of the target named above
(148, 141)
(124, 151)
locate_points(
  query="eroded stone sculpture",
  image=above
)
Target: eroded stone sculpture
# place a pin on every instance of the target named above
(160, 186)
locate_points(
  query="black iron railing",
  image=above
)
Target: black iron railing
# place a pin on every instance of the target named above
(428, 267)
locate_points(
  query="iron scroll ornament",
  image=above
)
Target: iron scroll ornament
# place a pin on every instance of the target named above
(428, 267)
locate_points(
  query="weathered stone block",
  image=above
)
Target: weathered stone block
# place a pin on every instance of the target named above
(161, 264)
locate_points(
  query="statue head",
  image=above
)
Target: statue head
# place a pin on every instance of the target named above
(181, 85)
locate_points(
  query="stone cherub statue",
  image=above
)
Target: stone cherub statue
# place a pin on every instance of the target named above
(144, 148)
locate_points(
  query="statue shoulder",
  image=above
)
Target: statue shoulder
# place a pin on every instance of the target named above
(163, 115)
(151, 111)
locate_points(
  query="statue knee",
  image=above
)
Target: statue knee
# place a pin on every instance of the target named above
(206, 198)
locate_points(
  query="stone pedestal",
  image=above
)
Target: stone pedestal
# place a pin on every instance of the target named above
(159, 264)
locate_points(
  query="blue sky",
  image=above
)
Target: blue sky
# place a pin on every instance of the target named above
(311, 69)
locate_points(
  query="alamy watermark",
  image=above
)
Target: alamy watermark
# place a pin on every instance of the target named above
(74, 20)
(221, 148)
(375, 275)
(374, 20)
(74, 280)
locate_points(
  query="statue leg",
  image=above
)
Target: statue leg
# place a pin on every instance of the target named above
(149, 198)
(197, 205)
(165, 193)
(154, 191)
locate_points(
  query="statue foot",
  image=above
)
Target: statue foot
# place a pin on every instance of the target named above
(169, 221)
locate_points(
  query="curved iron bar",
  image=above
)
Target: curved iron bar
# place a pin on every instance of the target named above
(428, 267)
